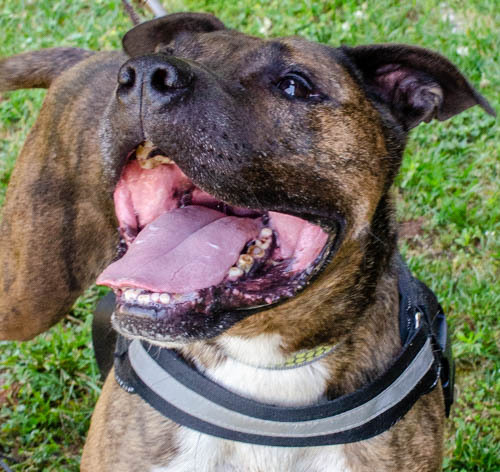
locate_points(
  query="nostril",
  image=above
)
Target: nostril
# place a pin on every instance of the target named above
(166, 78)
(126, 76)
(161, 81)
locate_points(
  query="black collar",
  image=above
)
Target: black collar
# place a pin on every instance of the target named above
(180, 392)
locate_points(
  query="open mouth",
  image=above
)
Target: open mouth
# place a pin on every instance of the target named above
(193, 265)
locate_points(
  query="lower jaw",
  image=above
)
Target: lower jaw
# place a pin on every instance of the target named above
(209, 312)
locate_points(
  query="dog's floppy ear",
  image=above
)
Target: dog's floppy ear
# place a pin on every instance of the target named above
(417, 84)
(58, 229)
(144, 38)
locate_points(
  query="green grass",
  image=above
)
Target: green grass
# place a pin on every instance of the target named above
(448, 197)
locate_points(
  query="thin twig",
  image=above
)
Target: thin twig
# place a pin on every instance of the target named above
(133, 15)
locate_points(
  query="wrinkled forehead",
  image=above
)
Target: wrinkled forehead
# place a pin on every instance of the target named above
(233, 54)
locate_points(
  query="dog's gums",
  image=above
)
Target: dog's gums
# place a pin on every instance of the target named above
(189, 257)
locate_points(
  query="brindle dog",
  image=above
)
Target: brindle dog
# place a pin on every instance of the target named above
(284, 134)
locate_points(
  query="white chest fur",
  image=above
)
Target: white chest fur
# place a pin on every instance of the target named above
(201, 453)
(198, 452)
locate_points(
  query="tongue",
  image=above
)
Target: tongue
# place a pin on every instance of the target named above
(182, 250)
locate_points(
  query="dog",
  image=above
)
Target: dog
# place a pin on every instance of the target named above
(257, 272)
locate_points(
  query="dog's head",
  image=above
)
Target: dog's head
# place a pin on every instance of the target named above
(249, 174)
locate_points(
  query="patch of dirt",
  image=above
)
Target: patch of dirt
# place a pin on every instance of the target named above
(410, 229)
(9, 395)
(74, 450)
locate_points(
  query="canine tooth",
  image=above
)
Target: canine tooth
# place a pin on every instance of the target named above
(235, 273)
(154, 162)
(163, 159)
(143, 150)
(146, 164)
(245, 262)
(263, 243)
(266, 233)
(165, 298)
(256, 252)
(143, 153)
(155, 297)
(143, 299)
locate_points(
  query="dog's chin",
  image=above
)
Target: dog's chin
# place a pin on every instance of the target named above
(191, 266)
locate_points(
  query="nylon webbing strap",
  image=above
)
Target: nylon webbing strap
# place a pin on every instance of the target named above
(187, 397)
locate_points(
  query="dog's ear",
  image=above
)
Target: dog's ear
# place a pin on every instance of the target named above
(144, 38)
(58, 229)
(417, 84)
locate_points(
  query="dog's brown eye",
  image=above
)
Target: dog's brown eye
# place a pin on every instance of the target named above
(295, 86)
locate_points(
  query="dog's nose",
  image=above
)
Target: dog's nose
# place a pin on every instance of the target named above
(157, 78)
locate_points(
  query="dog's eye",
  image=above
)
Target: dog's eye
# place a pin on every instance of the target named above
(296, 86)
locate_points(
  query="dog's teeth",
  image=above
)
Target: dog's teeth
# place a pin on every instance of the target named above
(165, 298)
(146, 160)
(131, 295)
(235, 273)
(265, 233)
(154, 162)
(256, 252)
(245, 262)
(155, 297)
(163, 159)
(144, 299)
(143, 150)
(148, 165)
(263, 243)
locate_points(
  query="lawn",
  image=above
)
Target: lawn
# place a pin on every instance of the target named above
(448, 204)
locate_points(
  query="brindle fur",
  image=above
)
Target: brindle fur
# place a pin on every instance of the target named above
(322, 161)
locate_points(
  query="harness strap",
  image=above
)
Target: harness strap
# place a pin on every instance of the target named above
(415, 297)
(187, 397)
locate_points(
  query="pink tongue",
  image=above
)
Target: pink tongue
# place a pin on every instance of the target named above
(182, 250)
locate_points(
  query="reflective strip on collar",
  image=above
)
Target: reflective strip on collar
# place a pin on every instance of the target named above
(207, 411)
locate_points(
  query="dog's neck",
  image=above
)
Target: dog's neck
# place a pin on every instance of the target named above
(233, 362)
(353, 306)
(242, 363)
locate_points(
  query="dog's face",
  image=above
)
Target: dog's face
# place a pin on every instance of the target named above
(245, 170)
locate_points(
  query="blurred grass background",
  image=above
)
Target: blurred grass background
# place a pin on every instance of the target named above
(448, 204)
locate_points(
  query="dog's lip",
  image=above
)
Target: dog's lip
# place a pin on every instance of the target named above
(329, 220)
(335, 238)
